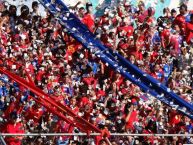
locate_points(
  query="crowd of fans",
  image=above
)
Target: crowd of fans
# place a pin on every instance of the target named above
(61, 67)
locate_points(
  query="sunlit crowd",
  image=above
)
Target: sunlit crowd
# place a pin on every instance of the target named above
(63, 68)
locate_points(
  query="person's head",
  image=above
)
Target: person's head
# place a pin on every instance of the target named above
(5, 16)
(35, 6)
(147, 57)
(74, 142)
(141, 6)
(184, 50)
(73, 101)
(164, 60)
(53, 1)
(1, 6)
(166, 11)
(123, 22)
(168, 24)
(13, 116)
(1, 83)
(173, 13)
(176, 28)
(12, 10)
(183, 9)
(132, 59)
(81, 11)
(112, 35)
(185, 2)
(128, 7)
(103, 142)
(89, 7)
(157, 68)
(114, 143)
(24, 10)
(151, 11)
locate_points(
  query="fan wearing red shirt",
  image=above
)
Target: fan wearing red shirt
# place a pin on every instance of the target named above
(73, 106)
(175, 118)
(104, 19)
(158, 73)
(142, 13)
(81, 12)
(180, 20)
(165, 37)
(189, 30)
(123, 47)
(90, 80)
(88, 18)
(150, 19)
(131, 114)
(125, 29)
(14, 127)
(169, 40)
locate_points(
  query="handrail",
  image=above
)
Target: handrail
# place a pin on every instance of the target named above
(95, 134)
(2, 141)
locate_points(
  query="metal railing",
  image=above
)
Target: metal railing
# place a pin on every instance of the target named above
(94, 134)
(2, 141)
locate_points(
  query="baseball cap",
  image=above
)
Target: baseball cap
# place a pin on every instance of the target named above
(134, 101)
(88, 4)
(173, 11)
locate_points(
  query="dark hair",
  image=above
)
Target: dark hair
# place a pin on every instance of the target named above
(24, 9)
(12, 10)
(128, 105)
(34, 4)
(102, 141)
(13, 115)
(11, 7)
(141, 3)
(150, 11)
(164, 10)
(81, 8)
(5, 13)
(184, 6)
(88, 5)
(191, 16)
(173, 11)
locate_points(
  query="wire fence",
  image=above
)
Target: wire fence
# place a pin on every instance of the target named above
(94, 134)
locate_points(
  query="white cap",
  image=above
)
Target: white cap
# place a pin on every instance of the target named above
(23, 37)
(80, 6)
(127, 3)
(106, 27)
(68, 67)
(184, 72)
(81, 55)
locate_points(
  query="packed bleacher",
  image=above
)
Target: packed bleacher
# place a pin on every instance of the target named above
(62, 67)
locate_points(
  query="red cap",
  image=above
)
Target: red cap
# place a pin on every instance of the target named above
(134, 101)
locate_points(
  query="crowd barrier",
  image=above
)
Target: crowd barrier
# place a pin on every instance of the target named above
(96, 134)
